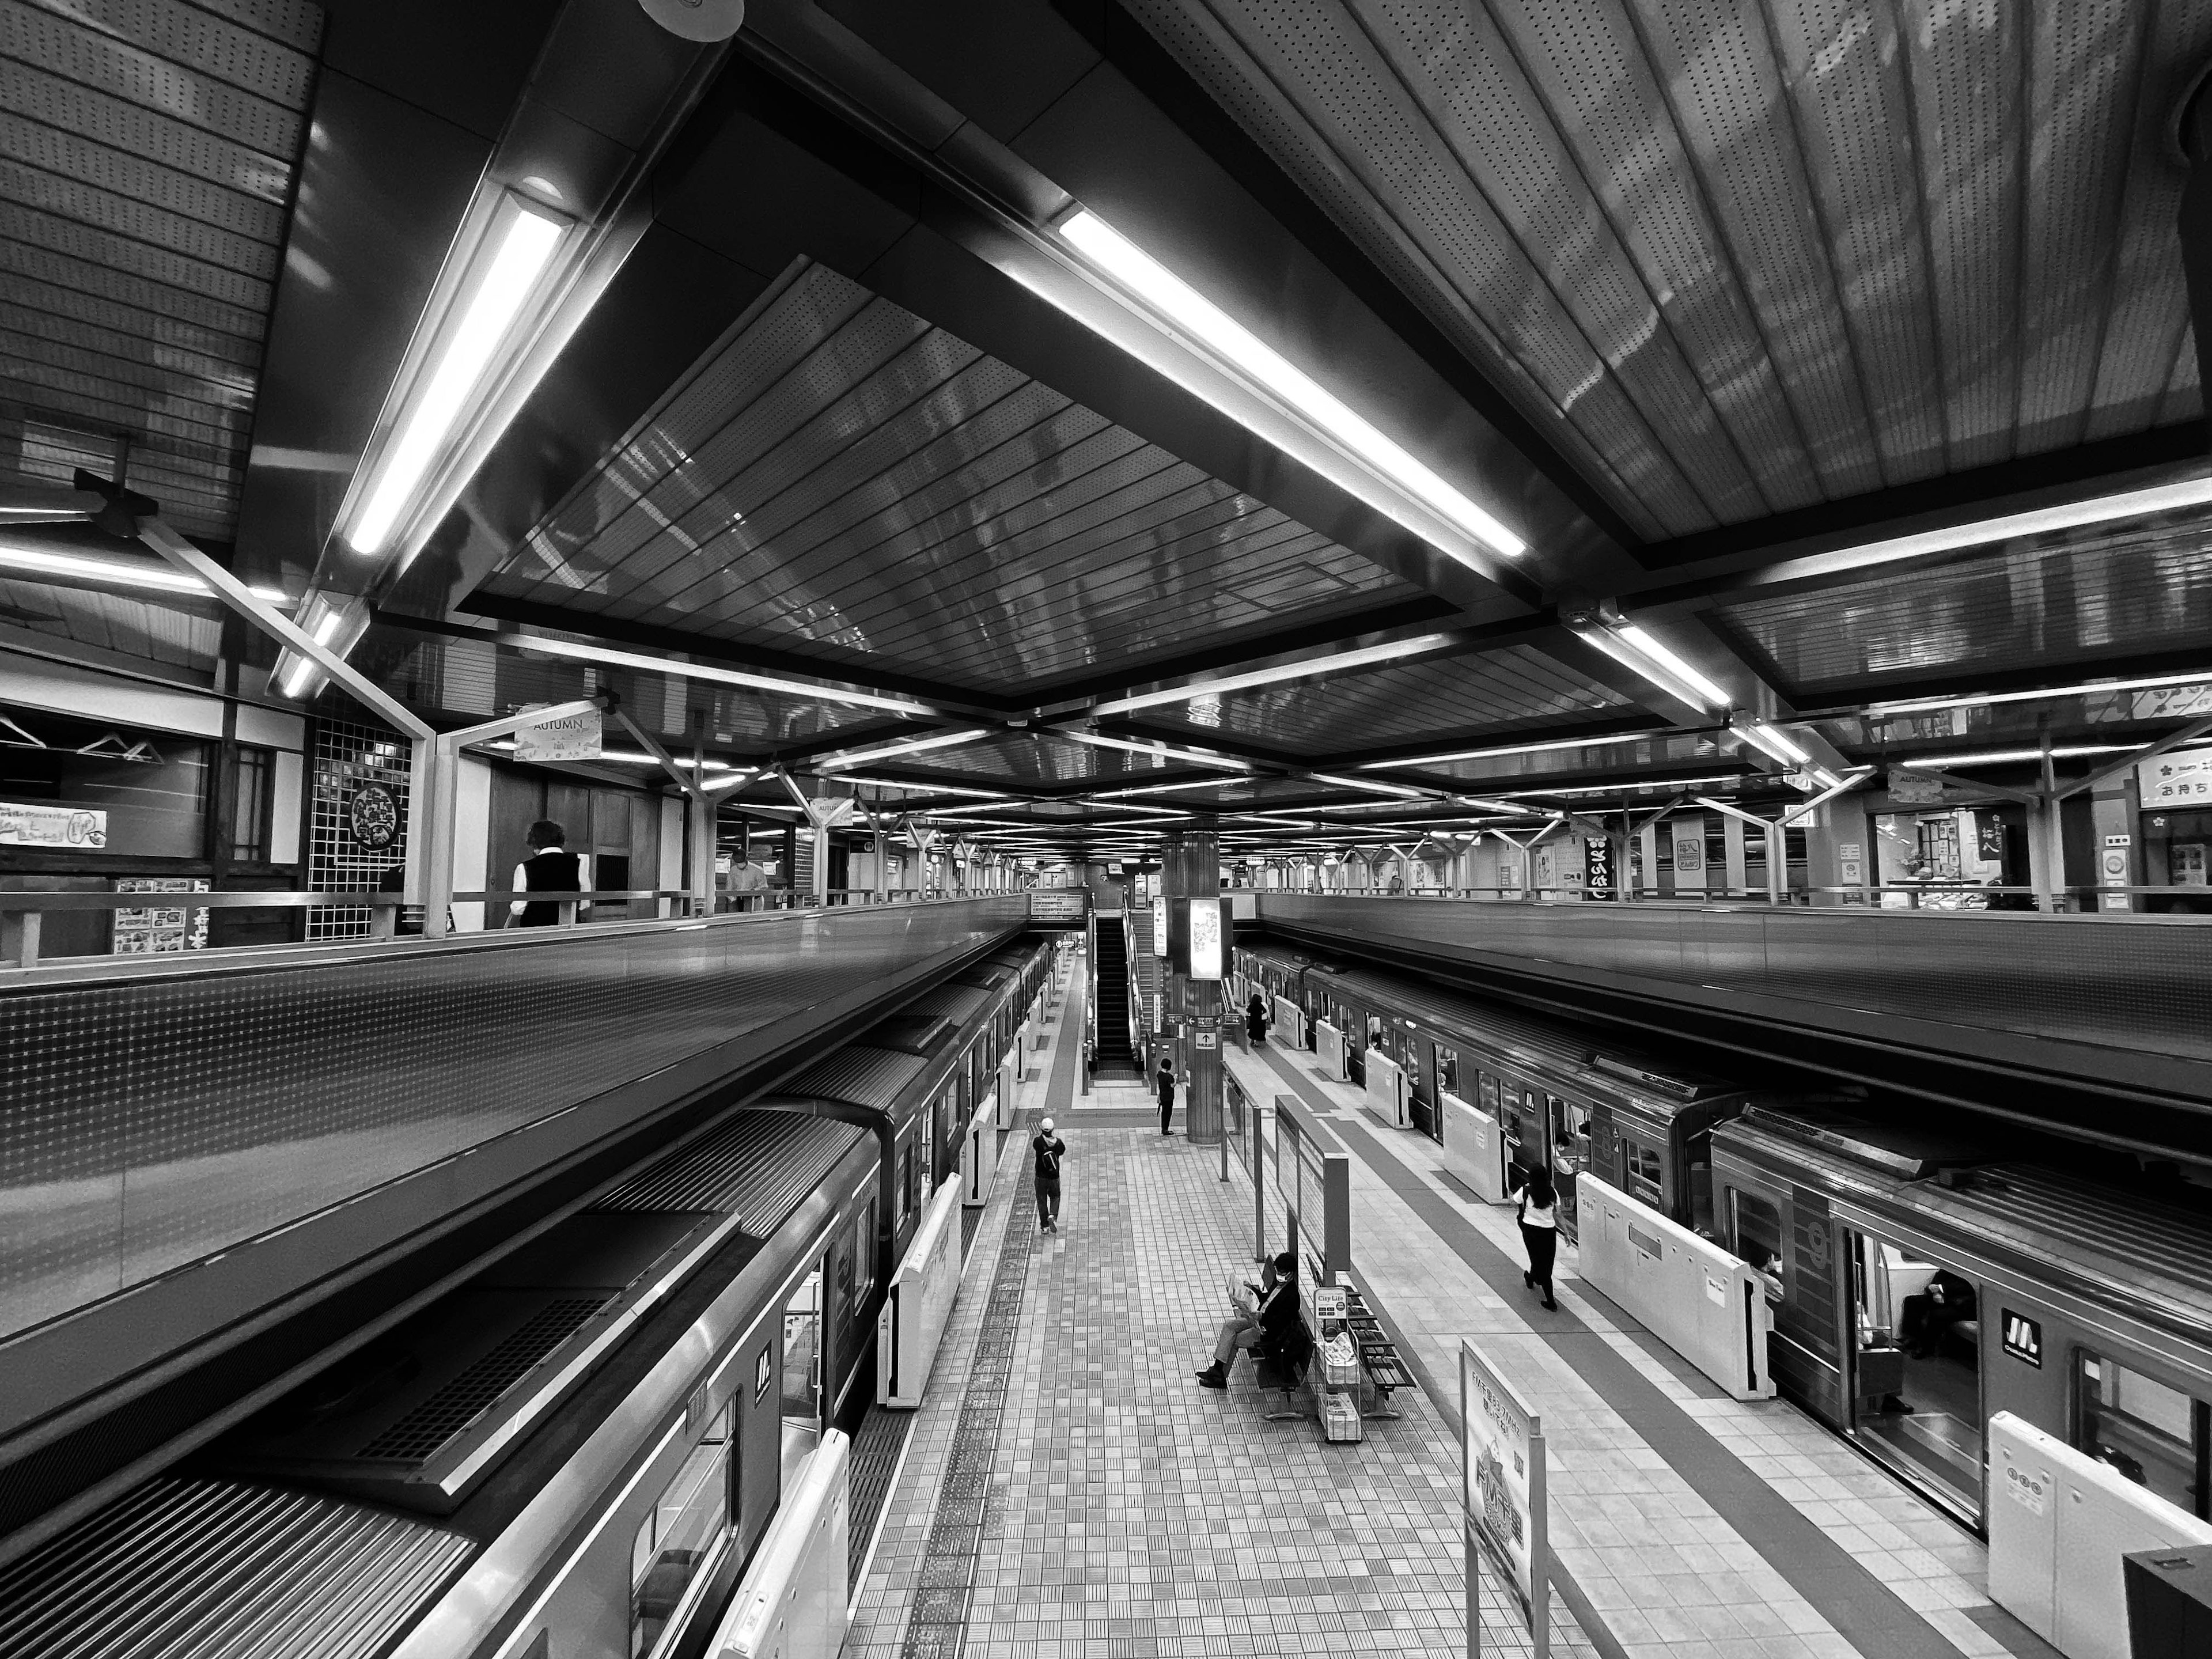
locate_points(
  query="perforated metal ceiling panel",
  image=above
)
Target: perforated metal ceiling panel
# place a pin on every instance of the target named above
(1741, 255)
(2033, 605)
(840, 480)
(1517, 688)
(146, 149)
(186, 638)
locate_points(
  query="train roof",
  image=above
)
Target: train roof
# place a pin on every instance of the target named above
(1534, 1040)
(1837, 1142)
(859, 1074)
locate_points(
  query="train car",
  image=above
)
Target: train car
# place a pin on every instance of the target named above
(1276, 970)
(577, 1451)
(1918, 1290)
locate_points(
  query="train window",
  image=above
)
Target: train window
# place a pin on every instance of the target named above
(2156, 1435)
(1448, 1071)
(909, 1183)
(1639, 1173)
(1485, 1088)
(1756, 1231)
(678, 1539)
(863, 1249)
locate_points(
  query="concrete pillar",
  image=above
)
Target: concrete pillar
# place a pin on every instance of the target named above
(1732, 832)
(1839, 851)
(2194, 224)
(1190, 868)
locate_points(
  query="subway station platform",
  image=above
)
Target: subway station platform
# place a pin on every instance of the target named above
(1082, 1494)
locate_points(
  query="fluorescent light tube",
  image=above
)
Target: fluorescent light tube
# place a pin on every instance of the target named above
(1196, 757)
(884, 751)
(2003, 756)
(1515, 749)
(1639, 639)
(1369, 785)
(693, 670)
(1775, 744)
(1921, 705)
(914, 788)
(1626, 786)
(124, 573)
(1364, 656)
(306, 667)
(522, 248)
(1187, 309)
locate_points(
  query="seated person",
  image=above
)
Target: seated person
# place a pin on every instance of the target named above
(1926, 1318)
(1268, 1321)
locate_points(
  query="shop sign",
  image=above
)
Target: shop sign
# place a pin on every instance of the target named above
(373, 817)
(2182, 779)
(155, 931)
(2023, 1337)
(50, 824)
(1909, 789)
(1597, 865)
(573, 739)
(1501, 1490)
(1206, 939)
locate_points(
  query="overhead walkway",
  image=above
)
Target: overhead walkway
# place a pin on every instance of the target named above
(2092, 1026)
(217, 1169)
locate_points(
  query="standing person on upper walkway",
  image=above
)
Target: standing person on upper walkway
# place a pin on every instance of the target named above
(1539, 1216)
(551, 868)
(1050, 1149)
(1167, 1087)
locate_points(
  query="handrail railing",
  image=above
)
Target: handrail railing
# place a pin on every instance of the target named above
(1950, 898)
(389, 913)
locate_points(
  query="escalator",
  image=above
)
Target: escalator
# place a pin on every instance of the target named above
(1117, 1057)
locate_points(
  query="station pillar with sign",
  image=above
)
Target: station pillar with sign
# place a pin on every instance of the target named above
(1198, 951)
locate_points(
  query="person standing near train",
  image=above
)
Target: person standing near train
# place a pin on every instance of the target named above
(1539, 1216)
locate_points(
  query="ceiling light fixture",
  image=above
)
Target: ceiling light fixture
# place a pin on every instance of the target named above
(1363, 657)
(1515, 749)
(2007, 757)
(1196, 757)
(578, 651)
(2086, 688)
(1191, 313)
(1372, 786)
(503, 272)
(305, 670)
(1655, 660)
(123, 573)
(909, 746)
(1625, 787)
(1775, 744)
(912, 788)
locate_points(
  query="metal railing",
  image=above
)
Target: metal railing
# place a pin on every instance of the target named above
(23, 928)
(1951, 897)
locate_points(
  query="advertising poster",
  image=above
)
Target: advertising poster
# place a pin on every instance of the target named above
(576, 737)
(1205, 938)
(50, 824)
(1502, 1489)
(159, 929)
(1159, 927)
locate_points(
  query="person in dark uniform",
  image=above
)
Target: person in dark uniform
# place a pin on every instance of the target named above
(551, 868)
(1256, 1020)
(1167, 1093)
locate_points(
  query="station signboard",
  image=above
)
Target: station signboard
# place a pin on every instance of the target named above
(1502, 1449)
(1060, 907)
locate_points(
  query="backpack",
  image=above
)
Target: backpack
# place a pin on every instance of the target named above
(1048, 1160)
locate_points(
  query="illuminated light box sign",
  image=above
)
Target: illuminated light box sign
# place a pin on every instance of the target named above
(1159, 927)
(576, 737)
(1059, 904)
(53, 825)
(1205, 938)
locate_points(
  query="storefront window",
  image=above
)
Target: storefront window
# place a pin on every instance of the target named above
(138, 793)
(675, 1543)
(2156, 1435)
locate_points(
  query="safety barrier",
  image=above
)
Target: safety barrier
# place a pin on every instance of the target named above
(790, 1603)
(918, 1303)
(1329, 1047)
(1689, 1291)
(1385, 1083)
(2059, 1522)
(1475, 1148)
(1290, 1022)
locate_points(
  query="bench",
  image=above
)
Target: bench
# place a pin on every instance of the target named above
(1378, 1355)
(1283, 1374)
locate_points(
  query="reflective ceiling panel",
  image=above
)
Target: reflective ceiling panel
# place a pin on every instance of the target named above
(181, 636)
(147, 153)
(1514, 689)
(2031, 606)
(1740, 256)
(840, 480)
(1031, 758)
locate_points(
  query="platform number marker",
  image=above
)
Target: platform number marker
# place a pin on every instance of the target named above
(2023, 1337)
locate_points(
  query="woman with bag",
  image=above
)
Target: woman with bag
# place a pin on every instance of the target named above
(1539, 1230)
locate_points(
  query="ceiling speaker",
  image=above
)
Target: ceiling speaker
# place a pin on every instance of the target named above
(697, 19)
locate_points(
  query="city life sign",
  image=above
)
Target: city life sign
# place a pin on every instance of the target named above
(1502, 1492)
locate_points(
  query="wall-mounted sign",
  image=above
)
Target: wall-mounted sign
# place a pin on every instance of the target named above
(1205, 938)
(1502, 1449)
(1207, 1039)
(1597, 865)
(2175, 780)
(373, 817)
(49, 824)
(574, 738)
(1063, 906)
(2023, 1337)
(763, 1372)
(159, 929)
(1910, 788)
(1159, 927)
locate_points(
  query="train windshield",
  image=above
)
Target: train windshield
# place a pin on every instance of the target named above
(1916, 1391)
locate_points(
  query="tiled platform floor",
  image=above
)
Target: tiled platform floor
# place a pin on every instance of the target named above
(1692, 1525)
(1131, 1512)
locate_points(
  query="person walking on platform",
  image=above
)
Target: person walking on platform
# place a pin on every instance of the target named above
(1167, 1093)
(551, 868)
(1539, 1230)
(1256, 1020)
(1275, 1310)
(1049, 1149)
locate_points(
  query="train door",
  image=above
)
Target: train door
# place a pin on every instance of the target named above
(805, 1357)
(1420, 1082)
(1444, 1079)
(1569, 1122)
(1915, 1392)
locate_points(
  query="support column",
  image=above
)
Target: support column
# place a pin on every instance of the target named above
(1190, 869)
(1732, 841)
(2194, 224)
(1839, 851)
(2114, 817)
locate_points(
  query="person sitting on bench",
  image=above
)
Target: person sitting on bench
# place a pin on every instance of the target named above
(1278, 1310)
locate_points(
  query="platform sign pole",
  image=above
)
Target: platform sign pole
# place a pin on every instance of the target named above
(1501, 1495)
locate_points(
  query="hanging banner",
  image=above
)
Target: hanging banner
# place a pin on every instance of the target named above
(1159, 927)
(1205, 938)
(1597, 865)
(46, 824)
(574, 739)
(156, 930)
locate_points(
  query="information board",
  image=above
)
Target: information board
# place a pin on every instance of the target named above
(1063, 907)
(1205, 938)
(1502, 1489)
